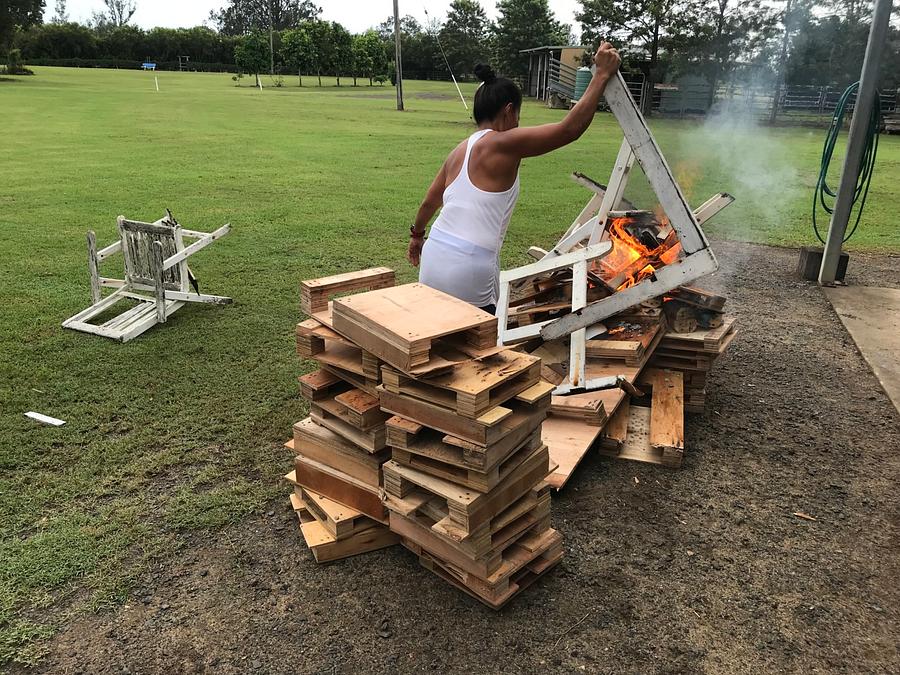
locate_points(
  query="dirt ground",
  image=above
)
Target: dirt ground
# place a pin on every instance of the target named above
(702, 569)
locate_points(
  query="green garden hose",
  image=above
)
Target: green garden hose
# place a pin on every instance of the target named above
(866, 164)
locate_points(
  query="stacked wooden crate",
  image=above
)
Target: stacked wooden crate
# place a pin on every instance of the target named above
(693, 354)
(465, 485)
(340, 448)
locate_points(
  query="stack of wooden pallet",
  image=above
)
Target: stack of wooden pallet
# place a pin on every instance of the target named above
(340, 448)
(465, 483)
(693, 354)
(657, 368)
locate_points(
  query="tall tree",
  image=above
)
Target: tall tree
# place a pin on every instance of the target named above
(523, 24)
(298, 51)
(239, 17)
(60, 15)
(727, 33)
(342, 51)
(323, 46)
(421, 56)
(635, 26)
(22, 13)
(369, 56)
(464, 35)
(252, 54)
(119, 12)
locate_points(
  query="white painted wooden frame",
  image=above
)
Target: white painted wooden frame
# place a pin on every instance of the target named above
(590, 225)
(162, 302)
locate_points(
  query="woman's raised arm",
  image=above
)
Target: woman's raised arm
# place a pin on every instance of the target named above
(532, 141)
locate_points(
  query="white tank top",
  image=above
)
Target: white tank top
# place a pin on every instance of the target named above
(473, 214)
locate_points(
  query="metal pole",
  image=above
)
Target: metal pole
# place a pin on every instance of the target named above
(865, 98)
(271, 43)
(781, 63)
(398, 67)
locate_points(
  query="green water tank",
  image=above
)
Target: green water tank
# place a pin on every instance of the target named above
(582, 80)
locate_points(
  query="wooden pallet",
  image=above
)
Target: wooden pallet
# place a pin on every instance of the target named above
(327, 548)
(709, 341)
(400, 324)
(361, 409)
(655, 434)
(472, 388)
(338, 486)
(340, 521)
(417, 529)
(409, 436)
(323, 445)
(591, 407)
(629, 346)
(333, 415)
(311, 337)
(479, 481)
(483, 431)
(527, 560)
(481, 542)
(407, 489)
(350, 359)
(321, 384)
(315, 293)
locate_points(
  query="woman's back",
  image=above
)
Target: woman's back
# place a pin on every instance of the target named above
(471, 213)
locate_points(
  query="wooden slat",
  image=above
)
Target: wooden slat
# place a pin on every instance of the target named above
(399, 324)
(666, 410)
(484, 431)
(340, 487)
(315, 293)
(323, 445)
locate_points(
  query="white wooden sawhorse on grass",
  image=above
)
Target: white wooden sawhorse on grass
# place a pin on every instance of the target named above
(156, 277)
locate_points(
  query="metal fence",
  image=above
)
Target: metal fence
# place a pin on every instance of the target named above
(796, 104)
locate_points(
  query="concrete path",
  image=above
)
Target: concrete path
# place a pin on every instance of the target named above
(872, 317)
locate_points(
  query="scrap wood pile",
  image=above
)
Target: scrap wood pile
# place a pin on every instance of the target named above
(422, 431)
(655, 355)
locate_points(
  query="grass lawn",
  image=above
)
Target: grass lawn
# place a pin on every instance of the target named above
(181, 430)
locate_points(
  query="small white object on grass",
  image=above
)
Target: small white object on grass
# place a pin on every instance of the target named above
(156, 77)
(45, 419)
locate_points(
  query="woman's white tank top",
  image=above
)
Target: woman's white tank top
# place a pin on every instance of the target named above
(473, 214)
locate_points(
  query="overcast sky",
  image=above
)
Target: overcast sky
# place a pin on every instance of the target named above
(355, 15)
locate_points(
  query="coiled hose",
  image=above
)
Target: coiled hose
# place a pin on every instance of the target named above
(866, 166)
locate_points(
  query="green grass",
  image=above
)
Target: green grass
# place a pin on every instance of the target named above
(180, 430)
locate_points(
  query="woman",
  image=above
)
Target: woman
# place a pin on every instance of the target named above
(477, 187)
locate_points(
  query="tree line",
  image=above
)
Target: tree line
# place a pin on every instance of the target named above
(819, 42)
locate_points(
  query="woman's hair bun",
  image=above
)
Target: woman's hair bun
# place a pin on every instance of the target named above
(485, 73)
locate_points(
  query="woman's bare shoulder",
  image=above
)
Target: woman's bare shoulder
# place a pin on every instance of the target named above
(454, 161)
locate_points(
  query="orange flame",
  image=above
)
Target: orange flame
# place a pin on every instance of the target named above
(627, 251)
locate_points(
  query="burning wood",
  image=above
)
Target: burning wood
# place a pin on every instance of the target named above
(642, 243)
